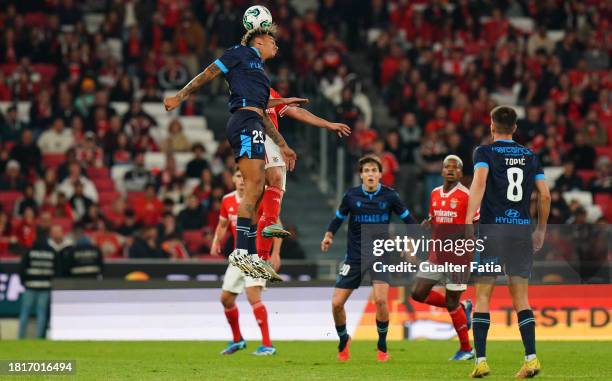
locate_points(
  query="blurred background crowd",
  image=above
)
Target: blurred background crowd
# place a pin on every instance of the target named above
(85, 140)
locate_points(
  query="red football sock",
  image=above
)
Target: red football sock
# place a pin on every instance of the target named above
(261, 315)
(434, 298)
(270, 210)
(232, 319)
(460, 323)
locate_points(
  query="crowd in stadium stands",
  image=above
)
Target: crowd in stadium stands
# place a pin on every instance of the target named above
(440, 66)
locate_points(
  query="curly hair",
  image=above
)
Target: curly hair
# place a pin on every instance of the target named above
(249, 36)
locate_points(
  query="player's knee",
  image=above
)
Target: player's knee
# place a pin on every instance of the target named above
(381, 303)
(521, 303)
(452, 304)
(227, 301)
(337, 306)
(275, 177)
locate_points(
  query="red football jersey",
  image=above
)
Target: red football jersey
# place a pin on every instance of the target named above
(449, 207)
(275, 112)
(446, 209)
(229, 211)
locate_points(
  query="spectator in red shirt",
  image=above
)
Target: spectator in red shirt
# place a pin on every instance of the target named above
(25, 231)
(389, 163)
(390, 64)
(115, 215)
(364, 137)
(203, 190)
(110, 243)
(148, 208)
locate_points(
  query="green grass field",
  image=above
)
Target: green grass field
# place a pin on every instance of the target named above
(421, 360)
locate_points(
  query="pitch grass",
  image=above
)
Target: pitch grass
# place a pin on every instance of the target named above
(191, 360)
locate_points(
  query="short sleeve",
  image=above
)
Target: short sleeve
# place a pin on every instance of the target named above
(223, 211)
(480, 158)
(280, 109)
(398, 207)
(539, 172)
(229, 60)
(431, 201)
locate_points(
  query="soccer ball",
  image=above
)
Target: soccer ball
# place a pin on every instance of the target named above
(256, 16)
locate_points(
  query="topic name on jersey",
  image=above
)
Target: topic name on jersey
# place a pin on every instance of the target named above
(515, 161)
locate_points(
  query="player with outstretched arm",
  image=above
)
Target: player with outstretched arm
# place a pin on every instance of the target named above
(505, 175)
(370, 203)
(243, 68)
(276, 172)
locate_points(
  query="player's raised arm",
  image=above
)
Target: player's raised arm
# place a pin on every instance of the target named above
(307, 117)
(172, 102)
(273, 102)
(220, 231)
(341, 215)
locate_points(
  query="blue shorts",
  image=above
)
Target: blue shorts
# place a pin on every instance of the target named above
(245, 133)
(514, 254)
(351, 275)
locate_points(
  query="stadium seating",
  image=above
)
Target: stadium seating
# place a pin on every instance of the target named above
(604, 151)
(104, 184)
(193, 239)
(65, 223)
(53, 159)
(8, 199)
(586, 175)
(107, 198)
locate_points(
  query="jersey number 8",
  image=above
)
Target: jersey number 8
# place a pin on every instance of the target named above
(515, 181)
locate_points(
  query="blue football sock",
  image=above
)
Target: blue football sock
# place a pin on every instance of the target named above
(382, 327)
(526, 323)
(480, 325)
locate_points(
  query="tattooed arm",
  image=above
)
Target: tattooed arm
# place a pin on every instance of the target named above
(272, 133)
(198, 81)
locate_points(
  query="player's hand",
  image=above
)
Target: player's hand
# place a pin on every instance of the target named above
(215, 249)
(426, 223)
(170, 103)
(295, 102)
(289, 156)
(326, 243)
(339, 128)
(537, 238)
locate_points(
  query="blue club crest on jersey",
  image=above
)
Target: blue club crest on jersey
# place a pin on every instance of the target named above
(358, 203)
(382, 205)
(512, 213)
